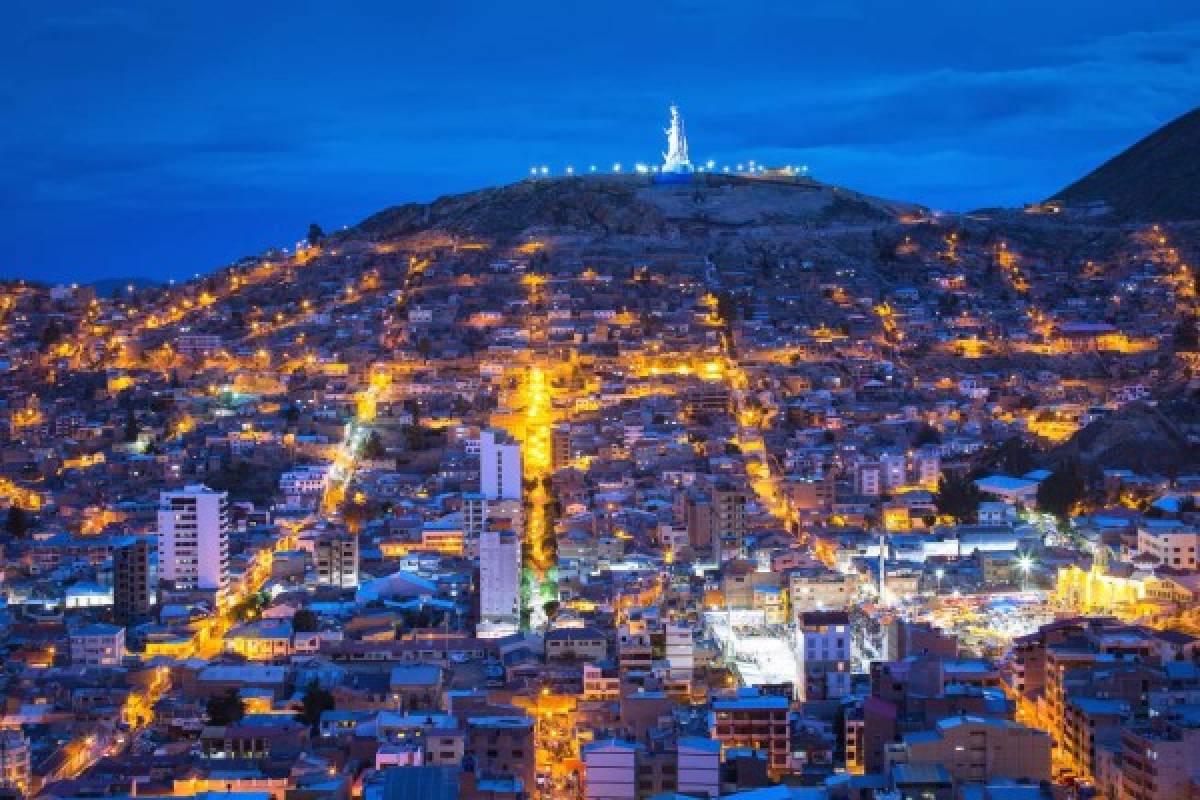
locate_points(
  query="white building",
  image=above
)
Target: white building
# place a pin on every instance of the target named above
(499, 466)
(681, 651)
(868, 478)
(927, 467)
(894, 466)
(1169, 542)
(302, 487)
(474, 522)
(699, 766)
(336, 559)
(98, 645)
(610, 770)
(499, 583)
(193, 538)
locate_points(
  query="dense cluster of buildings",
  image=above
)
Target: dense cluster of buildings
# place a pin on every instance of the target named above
(437, 518)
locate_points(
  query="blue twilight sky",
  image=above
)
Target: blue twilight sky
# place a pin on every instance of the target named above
(160, 138)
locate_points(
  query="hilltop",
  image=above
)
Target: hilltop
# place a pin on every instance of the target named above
(1154, 180)
(614, 205)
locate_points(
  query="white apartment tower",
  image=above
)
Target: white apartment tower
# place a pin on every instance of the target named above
(474, 521)
(499, 466)
(499, 583)
(193, 538)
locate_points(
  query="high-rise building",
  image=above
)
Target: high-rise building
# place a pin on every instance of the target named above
(560, 446)
(681, 651)
(133, 579)
(474, 521)
(729, 520)
(499, 582)
(499, 466)
(336, 557)
(193, 538)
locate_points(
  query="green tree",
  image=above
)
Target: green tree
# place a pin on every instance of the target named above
(305, 620)
(315, 234)
(224, 708)
(373, 448)
(1059, 492)
(17, 523)
(927, 434)
(50, 335)
(957, 497)
(1186, 336)
(316, 701)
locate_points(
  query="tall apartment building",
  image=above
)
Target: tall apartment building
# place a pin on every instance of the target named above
(193, 538)
(134, 579)
(755, 720)
(729, 519)
(823, 641)
(474, 521)
(560, 446)
(680, 651)
(499, 466)
(336, 557)
(698, 519)
(499, 583)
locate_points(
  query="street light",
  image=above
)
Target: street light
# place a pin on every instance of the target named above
(1025, 564)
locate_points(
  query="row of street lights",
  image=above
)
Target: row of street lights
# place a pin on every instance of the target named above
(748, 168)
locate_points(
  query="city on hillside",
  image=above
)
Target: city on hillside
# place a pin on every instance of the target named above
(670, 483)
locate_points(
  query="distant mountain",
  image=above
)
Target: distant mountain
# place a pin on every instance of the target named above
(1155, 180)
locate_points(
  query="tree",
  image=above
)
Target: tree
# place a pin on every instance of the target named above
(1059, 492)
(1186, 336)
(305, 620)
(957, 497)
(373, 448)
(316, 701)
(225, 708)
(17, 524)
(131, 426)
(315, 234)
(1013, 457)
(50, 335)
(927, 434)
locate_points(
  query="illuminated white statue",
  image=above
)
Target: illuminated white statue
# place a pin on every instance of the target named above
(676, 157)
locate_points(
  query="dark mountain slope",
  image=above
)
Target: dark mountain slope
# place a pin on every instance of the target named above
(1155, 180)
